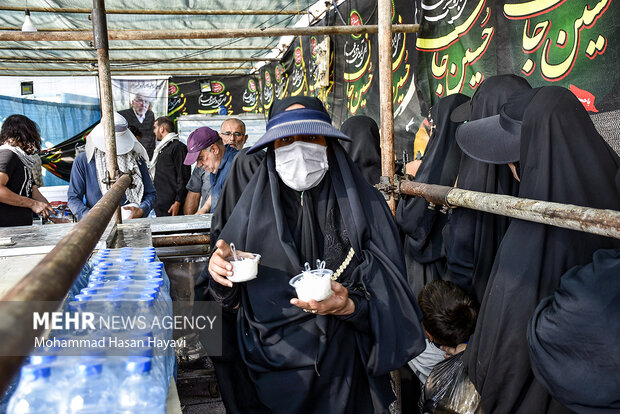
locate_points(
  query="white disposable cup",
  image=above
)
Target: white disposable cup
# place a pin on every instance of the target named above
(126, 213)
(313, 284)
(244, 268)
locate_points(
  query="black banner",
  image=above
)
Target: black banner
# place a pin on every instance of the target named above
(353, 72)
(212, 95)
(59, 159)
(569, 43)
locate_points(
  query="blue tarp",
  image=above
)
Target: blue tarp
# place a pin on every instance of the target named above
(57, 121)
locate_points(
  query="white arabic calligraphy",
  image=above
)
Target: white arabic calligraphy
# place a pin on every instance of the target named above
(210, 101)
(357, 54)
(249, 98)
(396, 39)
(297, 78)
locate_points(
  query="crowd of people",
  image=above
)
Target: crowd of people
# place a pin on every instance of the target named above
(491, 291)
(529, 310)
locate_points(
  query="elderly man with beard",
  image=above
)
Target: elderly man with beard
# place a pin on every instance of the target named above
(141, 117)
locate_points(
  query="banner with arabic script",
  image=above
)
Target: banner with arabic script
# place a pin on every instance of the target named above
(353, 72)
(213, 95)
(569, 43)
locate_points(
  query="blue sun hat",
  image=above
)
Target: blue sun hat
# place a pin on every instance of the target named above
(298, 122)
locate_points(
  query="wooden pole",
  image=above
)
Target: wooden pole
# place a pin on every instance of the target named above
(67, 36)
(385, 99)
(100, 35)
(58, 10)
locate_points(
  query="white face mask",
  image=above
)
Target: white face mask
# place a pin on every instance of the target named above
(301, 165)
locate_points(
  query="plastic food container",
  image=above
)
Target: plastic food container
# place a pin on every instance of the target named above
(244, 268)
(313, 284)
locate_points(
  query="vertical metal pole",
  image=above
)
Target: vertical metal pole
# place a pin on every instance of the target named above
(387, 127)
(100, 36)
(385, 89)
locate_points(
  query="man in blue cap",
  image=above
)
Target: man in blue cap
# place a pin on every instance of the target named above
(207, 150)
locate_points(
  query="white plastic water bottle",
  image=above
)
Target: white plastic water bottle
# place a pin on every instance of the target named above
(92, 393)
(140, 392)
(36, 393)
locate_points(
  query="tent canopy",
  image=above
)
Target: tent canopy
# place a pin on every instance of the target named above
(234, 56)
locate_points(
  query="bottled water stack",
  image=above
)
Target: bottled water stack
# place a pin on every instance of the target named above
(118, 282)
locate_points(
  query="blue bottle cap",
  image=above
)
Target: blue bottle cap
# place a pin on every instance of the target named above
(138, 365)
(89, 369)
(34, 372)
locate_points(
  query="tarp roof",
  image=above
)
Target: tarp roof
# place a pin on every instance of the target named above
(145, 57)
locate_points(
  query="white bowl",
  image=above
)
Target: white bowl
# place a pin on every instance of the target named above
(244, 268)
(313, 284)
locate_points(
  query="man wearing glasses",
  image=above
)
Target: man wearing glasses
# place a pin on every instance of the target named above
(233, 133)
(141, 117)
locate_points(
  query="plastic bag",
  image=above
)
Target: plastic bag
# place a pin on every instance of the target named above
(448, 389)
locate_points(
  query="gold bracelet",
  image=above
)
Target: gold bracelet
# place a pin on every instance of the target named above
(344, 264)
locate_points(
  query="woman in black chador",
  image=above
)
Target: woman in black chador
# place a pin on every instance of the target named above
(422, 227)
(562, 159)
(473, 237)
(364, 147)
(307, 202)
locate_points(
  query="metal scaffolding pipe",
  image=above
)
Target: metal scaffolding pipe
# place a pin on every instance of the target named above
(37, 59)
(92, 71)
(568, 216)
(159, 12)
(63, 36)
(100, 36)
(181, 240)
(163, 71)
(385, 96)
(50, 281)
(115, 49)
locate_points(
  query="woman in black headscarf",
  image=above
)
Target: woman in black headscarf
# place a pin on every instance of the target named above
(562, 159)
(473, 237)
(236, 388)
(336, 357)
(364, 147)
(422, 227)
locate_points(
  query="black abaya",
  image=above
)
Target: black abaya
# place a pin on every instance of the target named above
(241, 172)
(473, 237)
(423, 241)
(305, 363)
(563, 159)
(573, 337)
(237, 390)
(364, 147)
